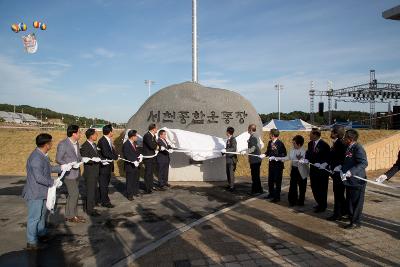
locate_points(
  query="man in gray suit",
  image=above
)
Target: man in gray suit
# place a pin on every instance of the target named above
(67, 152)
(255, 162)
(355, 163)
(38, 181)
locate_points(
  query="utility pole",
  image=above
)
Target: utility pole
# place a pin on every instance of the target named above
(279, 87)
(312, 94)
(194, 42)
(149, 83)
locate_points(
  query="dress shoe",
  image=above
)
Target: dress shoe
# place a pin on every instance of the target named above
(137, 195)
(130, 198)
(73, 220)
(108, 205)
(94, 213)
(161, 188)
(319, 210)
(168, 185)
(33, 247)
(231, 189)
(44, 238)
(275, 200)
(333, 218)
(269, 196)
(301, 204)
(352, 226)
(149, 192)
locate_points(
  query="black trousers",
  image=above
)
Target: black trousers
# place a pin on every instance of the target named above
(230, 174)
(355, 201)
(132, 182)
(163, 171)
(92, 193)
(104, 182)
(255, 177)
(319, 185)
(275, 181)
(340, 206)
(149, 165)
(297, 188)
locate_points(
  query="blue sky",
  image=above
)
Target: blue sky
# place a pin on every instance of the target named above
(95, 55)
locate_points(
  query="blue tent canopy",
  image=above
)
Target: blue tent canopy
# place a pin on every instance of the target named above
(288, 125)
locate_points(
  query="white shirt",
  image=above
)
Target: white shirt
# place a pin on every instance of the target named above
(75, 145)
(301, 153)
(109, 141)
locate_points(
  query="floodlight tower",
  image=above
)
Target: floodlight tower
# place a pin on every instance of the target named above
(149, 83)
(330, 93)
(312, 94)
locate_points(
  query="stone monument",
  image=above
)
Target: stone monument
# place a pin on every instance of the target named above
(193, 107)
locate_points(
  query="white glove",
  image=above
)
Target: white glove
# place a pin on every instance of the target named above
(58, 183)
(272, 158)
(140, 158)
(337, 168)
(381, 178)
(105, 163)
(323, 165)
(86, 159)
(162, 148)
(172, 145)
(244, 152)
(96, 159)
(75, 165)
(136, 163)
(66, 167)
(223, 150)
(317, 165)
(304, 161)
(262, 156)
(346, 175)
(170, 151)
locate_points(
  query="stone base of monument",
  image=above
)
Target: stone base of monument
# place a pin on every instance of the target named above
(183, 168)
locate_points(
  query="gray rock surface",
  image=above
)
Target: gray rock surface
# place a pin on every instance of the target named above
(193, 107)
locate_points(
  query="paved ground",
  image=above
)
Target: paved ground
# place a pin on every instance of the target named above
(254, 233)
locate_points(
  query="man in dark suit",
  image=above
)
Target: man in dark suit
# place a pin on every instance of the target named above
(336, 160)
(255, 162)
(391, 172)
(132, 170)
(318, 154)
(231, 159)
(275, 149)
(149, 149)
(163, 159)
(91, 171)
(106, 151)
(355, 163)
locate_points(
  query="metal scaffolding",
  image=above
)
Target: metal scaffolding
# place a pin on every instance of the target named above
(372, 93)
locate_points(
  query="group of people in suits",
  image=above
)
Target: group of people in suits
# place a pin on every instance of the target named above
(151, 159)
(345, 160)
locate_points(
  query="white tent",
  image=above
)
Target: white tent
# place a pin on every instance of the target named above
(289, 125)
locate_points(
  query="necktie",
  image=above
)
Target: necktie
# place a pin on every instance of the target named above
(133, 145)
(315, 146)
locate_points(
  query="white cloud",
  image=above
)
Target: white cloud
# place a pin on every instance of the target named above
(99, 52)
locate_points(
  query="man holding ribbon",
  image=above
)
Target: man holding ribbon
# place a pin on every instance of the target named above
(107, 152)
(355, 163)
(163, 159)
(38, 181)
(132, 170)
(149, 150)
(318, 155)
(91, 171)
(68, 152)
